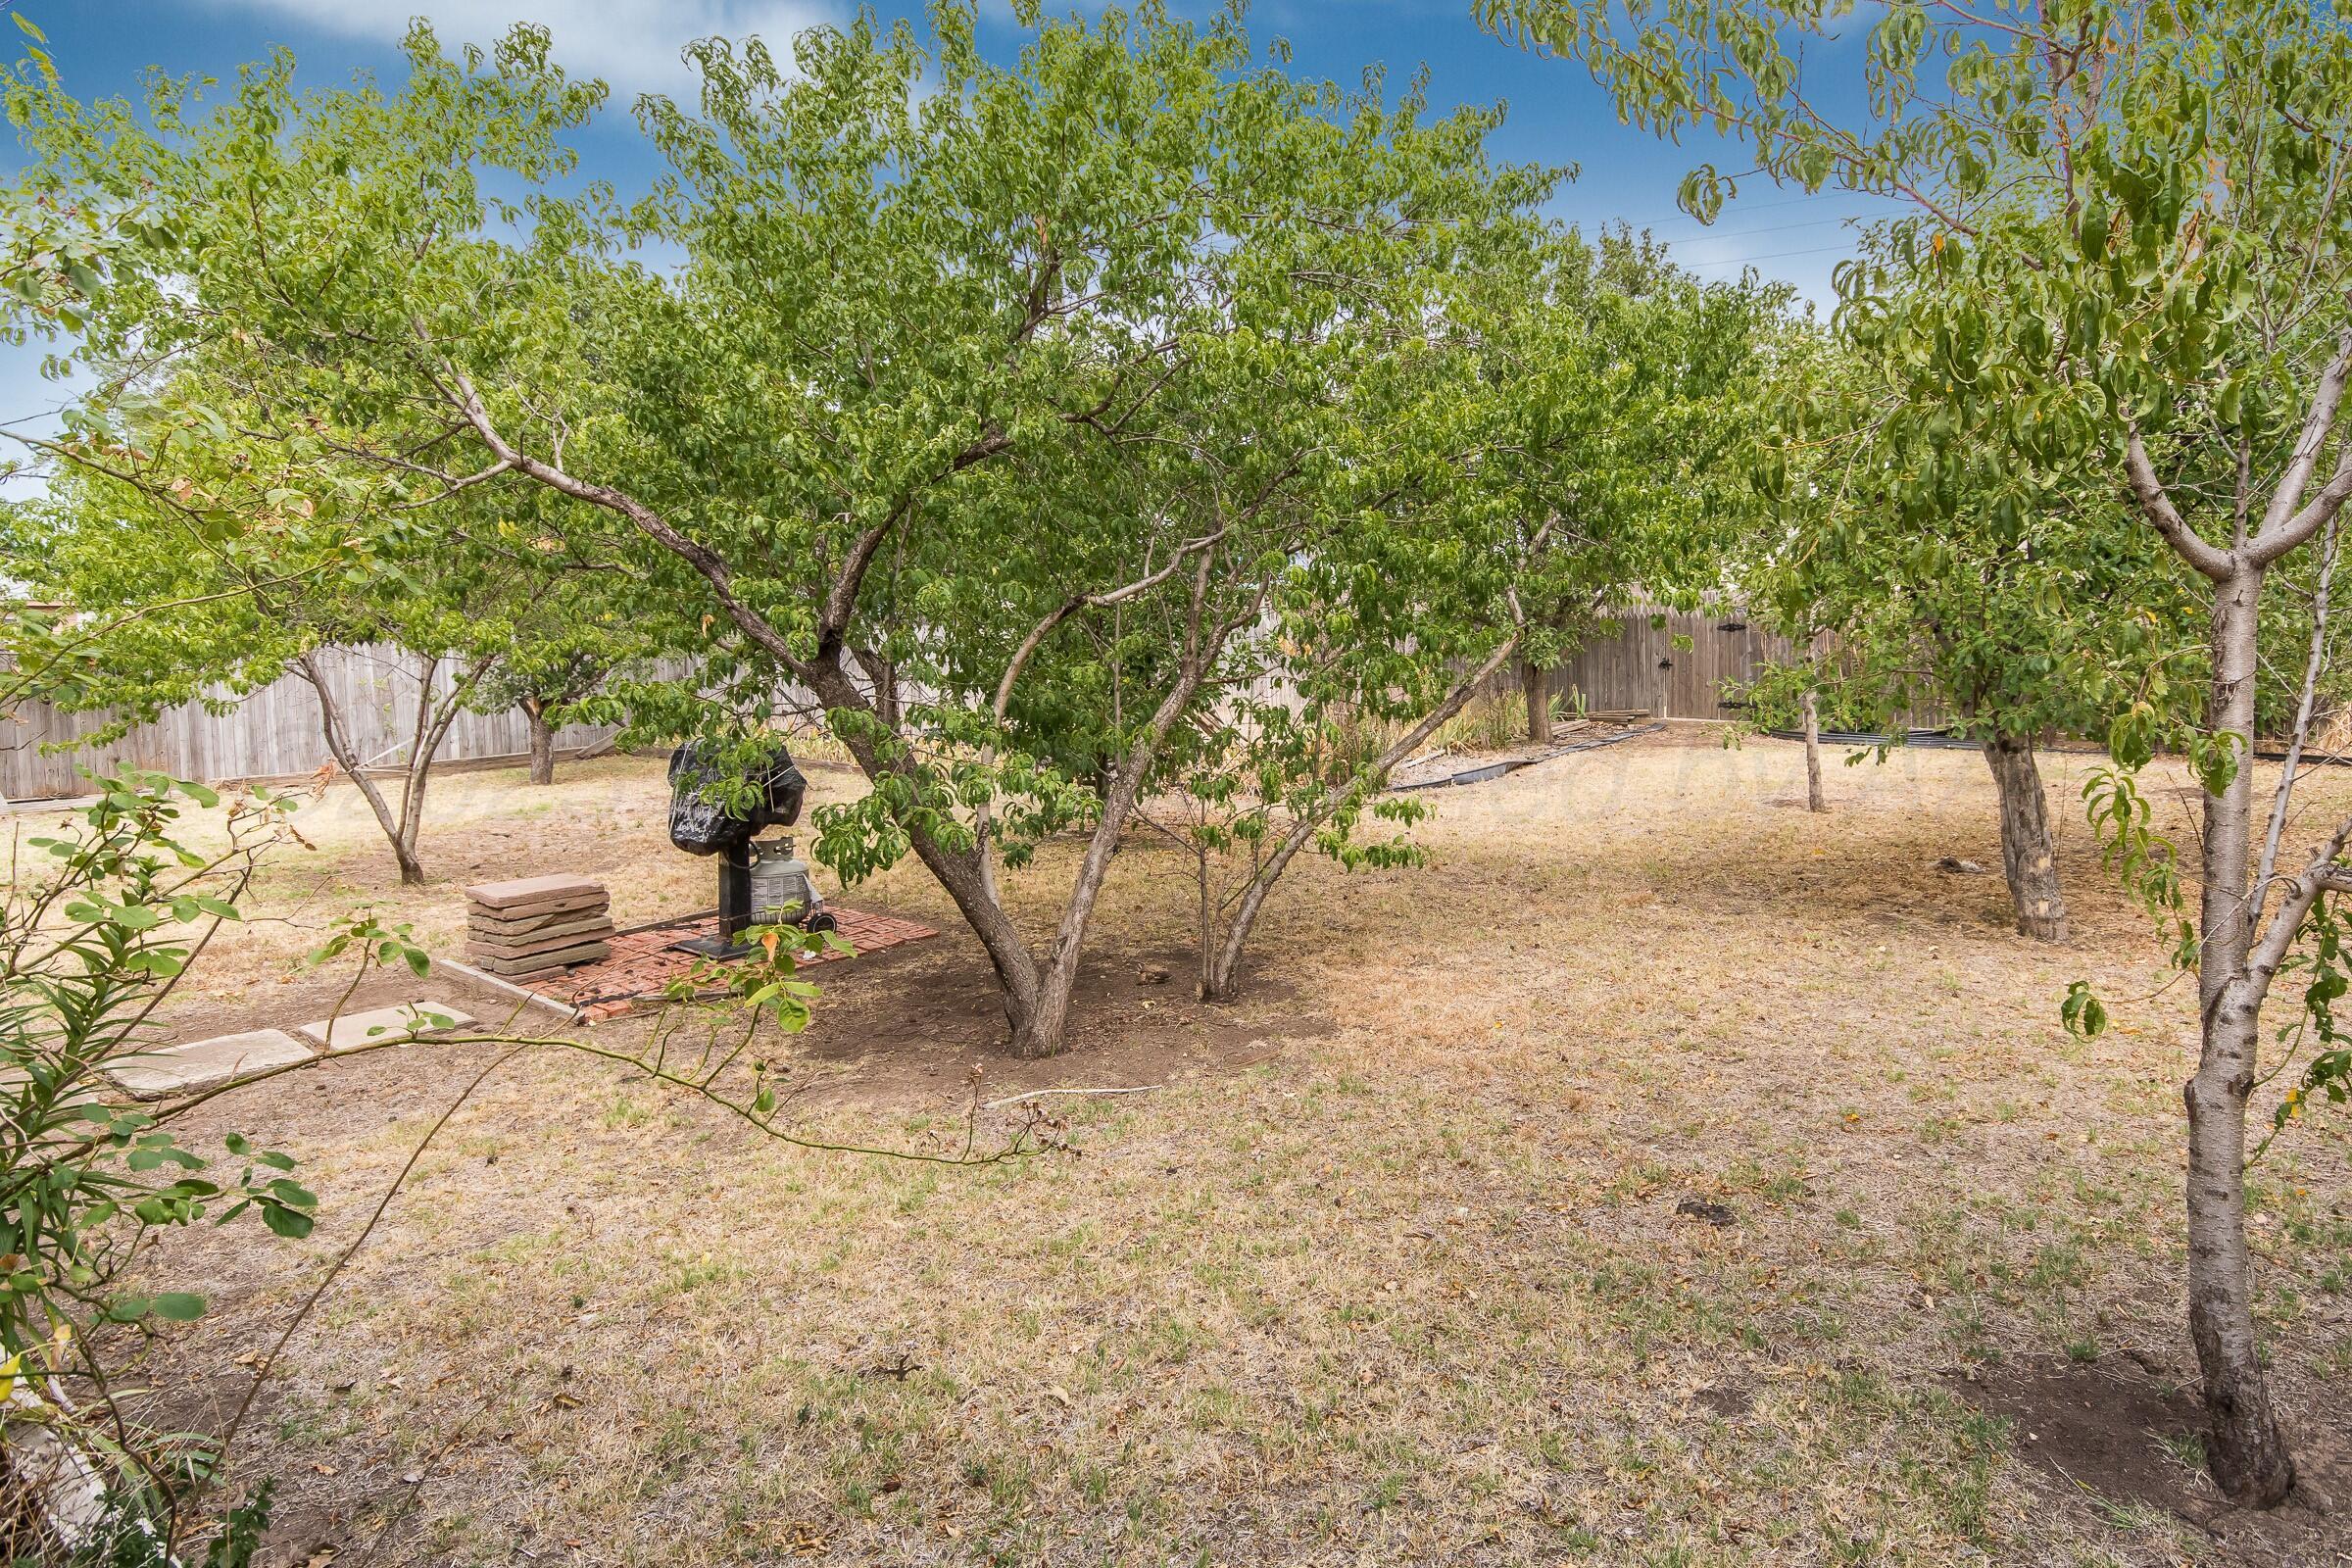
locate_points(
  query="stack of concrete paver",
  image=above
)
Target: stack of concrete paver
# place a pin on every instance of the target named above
(536, 924)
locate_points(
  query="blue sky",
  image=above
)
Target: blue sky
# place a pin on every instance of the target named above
(103, 47)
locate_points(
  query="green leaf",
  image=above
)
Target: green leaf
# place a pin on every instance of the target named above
(2081, 1012)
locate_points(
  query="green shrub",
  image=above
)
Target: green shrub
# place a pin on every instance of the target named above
(100, 924)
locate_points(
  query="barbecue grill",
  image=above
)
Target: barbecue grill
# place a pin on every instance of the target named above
(700, 825)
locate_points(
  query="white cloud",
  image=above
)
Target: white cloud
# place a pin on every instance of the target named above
(633, 44)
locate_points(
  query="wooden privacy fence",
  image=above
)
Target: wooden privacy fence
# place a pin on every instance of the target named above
(1641, 666)
(270, 733)
(274, 732)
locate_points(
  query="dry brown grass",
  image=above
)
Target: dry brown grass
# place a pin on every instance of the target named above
(1415, 1291)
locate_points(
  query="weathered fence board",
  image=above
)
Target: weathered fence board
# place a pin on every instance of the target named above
(274, 732)
(1642, 667)
(269, 733)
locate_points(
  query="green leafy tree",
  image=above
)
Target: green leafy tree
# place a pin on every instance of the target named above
(2128, 268)
(207, 512)
(948, 376)
(2014, 622)
(1632, 390)
(1345, 680)
(566, 625)
(1581, 446)
(250, 580)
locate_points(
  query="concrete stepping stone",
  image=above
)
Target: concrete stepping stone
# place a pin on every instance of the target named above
(203, 1063)
(382, 1025)
(533, 890)
(562, 924)
(538, 908)
(529, 896)
(570, 936)
(563, 957)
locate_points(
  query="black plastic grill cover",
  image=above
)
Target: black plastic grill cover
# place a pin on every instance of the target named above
(700, 825)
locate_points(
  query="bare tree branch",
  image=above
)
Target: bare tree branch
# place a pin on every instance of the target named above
(2303, 713)
(2207, 558)
(2283, 527)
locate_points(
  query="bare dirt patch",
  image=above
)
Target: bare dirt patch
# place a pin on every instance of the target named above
(917, 1027)
(2121, 1436)
(2133, 1441)
(919, 1019)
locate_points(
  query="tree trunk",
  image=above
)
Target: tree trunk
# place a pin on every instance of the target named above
(2027, 858)
(411, 817)
(347, 758)
(1815, 799)
(962, 873)
(543, 741)
(2249, 1450)
(1536, 680)
(397, 829)
(404, 846)
(1221, 975)
(1221, 978)
(435, 716)
(1208, 926)
(1042, 1032)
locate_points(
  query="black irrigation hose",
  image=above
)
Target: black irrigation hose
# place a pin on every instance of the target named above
(673, 922)
(1487, 770)
(1650, 728)
(2307, 759)
(1931, 739)
(1942, 740)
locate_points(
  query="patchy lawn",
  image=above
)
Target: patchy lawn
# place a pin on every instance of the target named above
(1661, 1175)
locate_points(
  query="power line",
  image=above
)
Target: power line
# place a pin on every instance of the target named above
(1772, 256)
(1678, 215)
(1769, 229)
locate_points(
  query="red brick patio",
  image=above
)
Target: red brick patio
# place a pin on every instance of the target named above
(642, 967)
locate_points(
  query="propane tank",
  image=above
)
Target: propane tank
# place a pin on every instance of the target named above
(782, 891)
